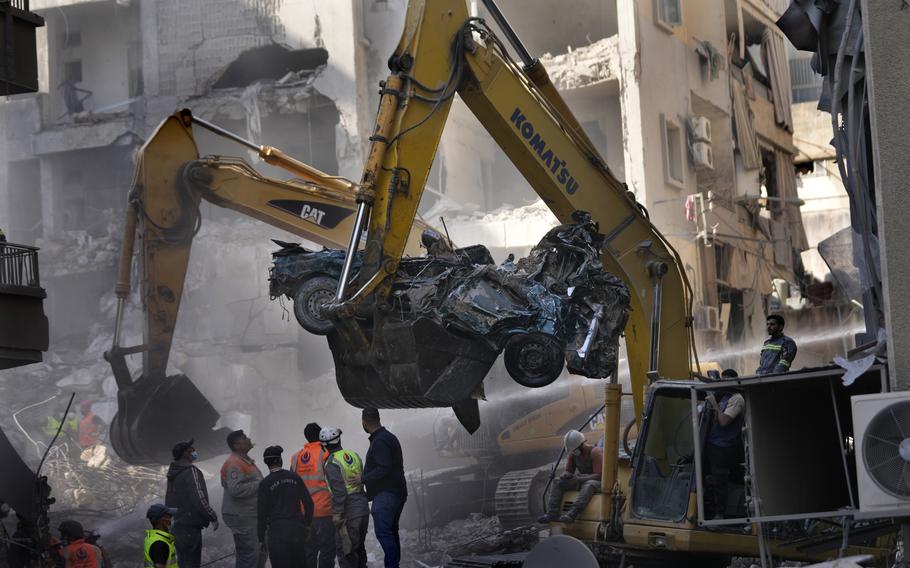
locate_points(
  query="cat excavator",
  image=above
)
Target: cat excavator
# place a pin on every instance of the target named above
(163, 212)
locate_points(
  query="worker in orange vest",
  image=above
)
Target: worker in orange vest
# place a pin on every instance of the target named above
(77, 553)
(309, 464)
(90, 427)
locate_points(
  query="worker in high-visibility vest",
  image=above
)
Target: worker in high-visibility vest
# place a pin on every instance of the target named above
(160, 551)
(350, 507)
(309, 464)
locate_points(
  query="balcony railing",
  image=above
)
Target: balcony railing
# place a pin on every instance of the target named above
(21, 4)
(19, 264)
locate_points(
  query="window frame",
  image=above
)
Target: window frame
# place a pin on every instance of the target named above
(667, 151)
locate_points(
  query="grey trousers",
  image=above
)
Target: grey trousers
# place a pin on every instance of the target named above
(357, 531)
(586, 490)
(246, 541)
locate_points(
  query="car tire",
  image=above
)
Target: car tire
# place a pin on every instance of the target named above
(312, 294)
(533, 360)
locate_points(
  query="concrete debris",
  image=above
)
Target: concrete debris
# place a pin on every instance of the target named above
(476, 535)
(585, 66)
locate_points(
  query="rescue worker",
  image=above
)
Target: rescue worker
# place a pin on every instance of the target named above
(186, 491)
(778, 351)
(350, 506)
(76, 552)
(70, 426)
(582, 474)
(240, 479)
(90, 427)
(160, 551)
(285, 511)
(383, 476)
(309, 464)
(722, 444)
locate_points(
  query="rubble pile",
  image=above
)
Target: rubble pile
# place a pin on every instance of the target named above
(584, 66)
(93, 249)
(432, 548)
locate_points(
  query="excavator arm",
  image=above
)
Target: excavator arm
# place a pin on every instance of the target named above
(170, 181)
(443, 52)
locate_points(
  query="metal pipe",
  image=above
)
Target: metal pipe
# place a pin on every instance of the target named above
(226, 133)
(118, 323)
(612, 397)
(363, 210)
(510, 34)
(385, 118)
(657, 269)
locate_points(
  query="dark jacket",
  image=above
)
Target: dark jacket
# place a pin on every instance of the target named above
(280, 497)
(187, 492)
(777, 354)
(384, 466)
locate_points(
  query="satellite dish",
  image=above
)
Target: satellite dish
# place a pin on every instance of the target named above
(561, 550)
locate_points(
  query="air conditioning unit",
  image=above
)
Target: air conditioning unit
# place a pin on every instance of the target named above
(882, 453)
(706, 318)
(700, 129)
(703, 156)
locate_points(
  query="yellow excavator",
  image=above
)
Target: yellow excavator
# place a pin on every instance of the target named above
(163, 211)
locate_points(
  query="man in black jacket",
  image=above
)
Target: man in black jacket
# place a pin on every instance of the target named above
(383, 475)
(186, 491)
(281, 495)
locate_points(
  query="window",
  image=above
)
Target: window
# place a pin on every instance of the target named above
(669, 13)
(674, 160)
(72, 71)
(805, 82)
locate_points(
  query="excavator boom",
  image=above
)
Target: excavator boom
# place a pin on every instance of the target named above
(171, 179)
(443, 52)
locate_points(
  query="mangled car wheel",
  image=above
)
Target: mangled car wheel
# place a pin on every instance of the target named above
(533, 359)
(310, 298)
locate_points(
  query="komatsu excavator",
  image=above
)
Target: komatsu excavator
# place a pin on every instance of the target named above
(386, 360)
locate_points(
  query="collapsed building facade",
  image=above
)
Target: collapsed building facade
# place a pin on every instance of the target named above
(710, 158)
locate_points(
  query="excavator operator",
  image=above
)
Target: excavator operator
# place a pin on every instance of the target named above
(583, 474)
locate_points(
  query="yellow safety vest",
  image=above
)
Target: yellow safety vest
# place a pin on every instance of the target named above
(351, 469)
(53, 423)
(154, 535)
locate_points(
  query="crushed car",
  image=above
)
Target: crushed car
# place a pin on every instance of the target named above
(556, 307)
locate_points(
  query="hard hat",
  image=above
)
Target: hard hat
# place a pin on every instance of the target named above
(329, 435)
(573, 440)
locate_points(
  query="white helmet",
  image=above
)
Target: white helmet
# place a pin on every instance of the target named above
(573, 440)
(329, 435)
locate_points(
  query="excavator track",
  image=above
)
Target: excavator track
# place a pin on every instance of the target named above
(519, 496)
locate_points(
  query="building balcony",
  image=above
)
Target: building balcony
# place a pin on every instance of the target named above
(18, 55)
(23, 327)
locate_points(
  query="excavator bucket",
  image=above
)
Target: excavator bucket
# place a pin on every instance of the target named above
(416, 364)
(154, 413)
